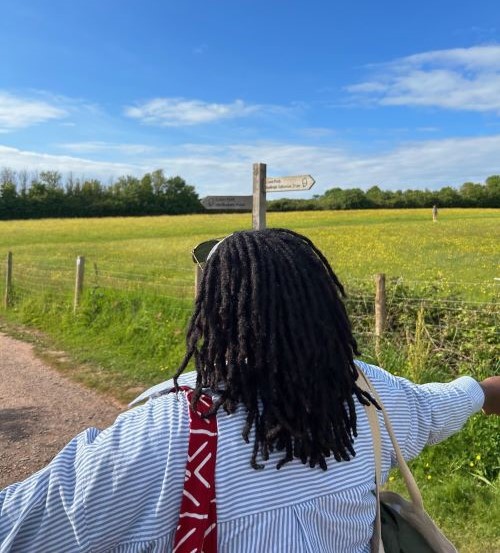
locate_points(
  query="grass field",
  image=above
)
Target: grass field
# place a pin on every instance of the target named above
(462, 247)
(129, 329)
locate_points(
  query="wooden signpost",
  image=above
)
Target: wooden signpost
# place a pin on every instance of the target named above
(259, 196)
(263, 184)
(257, 202)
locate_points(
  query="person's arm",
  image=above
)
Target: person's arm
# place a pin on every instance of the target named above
(491, 389)
(45, 511)
(424, 414)
(119, 486)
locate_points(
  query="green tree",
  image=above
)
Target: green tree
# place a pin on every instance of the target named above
(448, 197)
(179, 197)
(376, 196)
(493, 191)
(51, 179)
(9, 200)
(473, 194)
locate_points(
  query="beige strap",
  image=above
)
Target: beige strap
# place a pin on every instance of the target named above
(364, 384)
(411, 485)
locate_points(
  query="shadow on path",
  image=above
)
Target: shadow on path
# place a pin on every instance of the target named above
(17, 423)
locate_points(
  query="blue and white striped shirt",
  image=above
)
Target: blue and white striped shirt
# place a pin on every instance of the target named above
(119, 490)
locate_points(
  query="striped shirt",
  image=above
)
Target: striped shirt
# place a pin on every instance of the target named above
(119, 490)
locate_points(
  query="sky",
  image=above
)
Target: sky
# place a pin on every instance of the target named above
(355, 93)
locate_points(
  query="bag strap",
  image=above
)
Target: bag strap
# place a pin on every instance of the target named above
(411, 484)
(197, 528)
(364, 384)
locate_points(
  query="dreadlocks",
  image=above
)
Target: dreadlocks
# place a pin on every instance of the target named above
(270, 331)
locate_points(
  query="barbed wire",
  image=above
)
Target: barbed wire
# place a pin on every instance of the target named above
(440, 300)
(400, 280)
(58, 278)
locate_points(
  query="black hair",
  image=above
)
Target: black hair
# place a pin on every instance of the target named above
(270, 332)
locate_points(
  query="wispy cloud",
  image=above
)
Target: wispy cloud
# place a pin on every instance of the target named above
(18, 159)
(100, 146)
(18, 113)
(459, 79)
(200, 49)
(227, 169)
(177, 112)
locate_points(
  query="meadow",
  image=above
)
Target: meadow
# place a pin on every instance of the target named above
(128, 331)
(462, 247)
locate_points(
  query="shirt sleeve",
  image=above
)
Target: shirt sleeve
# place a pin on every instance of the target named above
(45, 512)
(424, 414)
(105, 489)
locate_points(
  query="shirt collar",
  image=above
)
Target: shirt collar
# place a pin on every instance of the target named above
(188, 379)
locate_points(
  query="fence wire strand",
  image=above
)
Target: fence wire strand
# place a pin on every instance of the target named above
(55, 281)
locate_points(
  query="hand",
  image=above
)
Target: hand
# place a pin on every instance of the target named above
(491, 389)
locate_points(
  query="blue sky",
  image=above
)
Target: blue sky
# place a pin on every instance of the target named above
(397, 94)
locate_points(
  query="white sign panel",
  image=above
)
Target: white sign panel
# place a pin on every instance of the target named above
(284, 184)
(228, 202)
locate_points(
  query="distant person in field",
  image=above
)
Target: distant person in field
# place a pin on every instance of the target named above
(275, 373)
(435, 213)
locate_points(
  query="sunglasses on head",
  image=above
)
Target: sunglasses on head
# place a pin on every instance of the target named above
(200, 253)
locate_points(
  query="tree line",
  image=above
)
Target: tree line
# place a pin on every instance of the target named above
(45, 194)
(470, 194)
(25, 195)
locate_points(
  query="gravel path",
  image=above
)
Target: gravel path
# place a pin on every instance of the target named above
(40, 411)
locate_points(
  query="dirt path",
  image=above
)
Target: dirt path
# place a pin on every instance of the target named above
(40, 411)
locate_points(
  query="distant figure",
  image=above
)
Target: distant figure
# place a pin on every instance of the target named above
(435, 213)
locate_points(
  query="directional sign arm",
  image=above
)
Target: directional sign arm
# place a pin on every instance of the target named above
(284, 184)
(236, 203)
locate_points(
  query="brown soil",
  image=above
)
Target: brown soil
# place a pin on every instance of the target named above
(41, 410)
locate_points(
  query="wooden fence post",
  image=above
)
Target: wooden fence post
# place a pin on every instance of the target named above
(8, 281)
(80, 270)
(380, 309)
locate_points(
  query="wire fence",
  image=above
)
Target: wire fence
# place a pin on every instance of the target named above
(54, 284)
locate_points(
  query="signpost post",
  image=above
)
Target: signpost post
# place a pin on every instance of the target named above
(259, 196)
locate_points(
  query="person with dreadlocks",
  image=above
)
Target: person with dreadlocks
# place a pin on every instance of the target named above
(275, 370)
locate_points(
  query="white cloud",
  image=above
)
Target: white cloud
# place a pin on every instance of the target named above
(474, 58)
(228, 169)
(19, 160)
(431, 163)
(177, 112)
(459, 79)
(17, 113)
(99, 146)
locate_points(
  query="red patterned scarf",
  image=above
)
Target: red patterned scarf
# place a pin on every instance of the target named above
(197, 529)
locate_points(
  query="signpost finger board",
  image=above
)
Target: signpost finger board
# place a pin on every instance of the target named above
(243, 203)
(289, 184)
